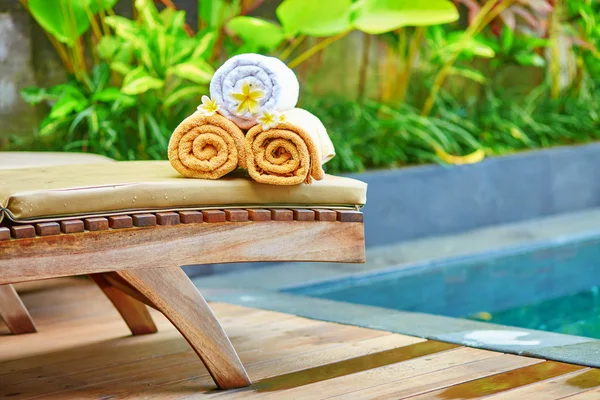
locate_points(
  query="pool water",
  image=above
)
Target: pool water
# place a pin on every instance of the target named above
(552, 286)
(576, 314)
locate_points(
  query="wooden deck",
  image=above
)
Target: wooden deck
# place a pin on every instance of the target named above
(83, 350)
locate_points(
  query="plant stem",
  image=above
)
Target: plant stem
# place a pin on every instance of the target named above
(413, 51)
(292, 46)
(316, 48)
(487, 13)
(554, 50)
(364, 66)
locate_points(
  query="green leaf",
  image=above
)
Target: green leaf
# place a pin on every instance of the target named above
(35, 95)
(108, 46)
(469, 46)
(380, 16)
(100, 76)
(507, 36)
(138, 81)
(531, 59)
(258, 32)
(67, 105)
(204, 45)
(215, 12)
(121, 68)
(66, 20)
(314, 17)
(183, 93)
(148, 13)
(173, 20)
(469, 74)
(198, 71)
(111, 95)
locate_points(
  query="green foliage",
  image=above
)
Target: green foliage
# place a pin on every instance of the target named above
(380, 16)
(64, 19)
(314, 17)
(150, 77)
(374, 136)
(450, 92)
(257, 34)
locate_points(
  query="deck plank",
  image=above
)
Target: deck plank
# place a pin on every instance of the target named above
(555, 388)
(285, 355)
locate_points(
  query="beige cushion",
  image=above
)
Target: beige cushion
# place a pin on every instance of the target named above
(133, 186)
(24, 159)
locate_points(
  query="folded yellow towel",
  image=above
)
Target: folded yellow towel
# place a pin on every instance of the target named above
(284, 155)
(206, 147)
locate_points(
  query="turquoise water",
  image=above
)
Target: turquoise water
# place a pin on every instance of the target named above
(550, 286)
(577, 314)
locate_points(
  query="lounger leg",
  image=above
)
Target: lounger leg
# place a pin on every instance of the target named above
(13, 311)
(172, 293)
(135, 314)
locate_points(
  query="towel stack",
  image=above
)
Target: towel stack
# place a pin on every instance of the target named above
(250, 121)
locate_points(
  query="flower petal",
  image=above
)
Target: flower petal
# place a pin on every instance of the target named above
(257, 94)
(239, 96)
(253, 106)
(241, 107)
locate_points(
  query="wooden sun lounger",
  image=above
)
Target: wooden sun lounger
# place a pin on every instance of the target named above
(136, 259)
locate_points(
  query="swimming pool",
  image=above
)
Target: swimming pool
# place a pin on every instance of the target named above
(551, 286)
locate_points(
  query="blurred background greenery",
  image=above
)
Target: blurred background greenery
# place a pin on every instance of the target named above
(396, 82)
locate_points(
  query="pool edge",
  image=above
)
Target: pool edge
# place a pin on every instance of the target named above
(527, 342)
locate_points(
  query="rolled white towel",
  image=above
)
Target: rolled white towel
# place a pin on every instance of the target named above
(268, 74)
(315, 128)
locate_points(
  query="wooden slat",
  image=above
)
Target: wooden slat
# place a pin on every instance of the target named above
(167, 218)
(4, 233)
(278, 214)
(593, 394)
(174, 246)
(413, 377)
(352, 366)
(259, 215)
(302, 214)
(325, 215)
(120, 222)
(47, 228)
(72, 226)
(213, 216)
(144, 220)
(22, 231)
(349, 216)
(556, 388)
(190, 217)
(236, 215)
(96, 224)
(500, 382)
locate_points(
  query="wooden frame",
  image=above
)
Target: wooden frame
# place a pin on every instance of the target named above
(136, 260)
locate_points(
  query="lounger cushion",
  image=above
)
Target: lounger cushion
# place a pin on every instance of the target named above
(25, 159)
(54, 192)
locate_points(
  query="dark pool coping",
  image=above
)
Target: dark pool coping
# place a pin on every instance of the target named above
(506, 339)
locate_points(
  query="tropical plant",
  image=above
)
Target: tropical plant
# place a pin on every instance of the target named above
(333, 20)
(147, 76)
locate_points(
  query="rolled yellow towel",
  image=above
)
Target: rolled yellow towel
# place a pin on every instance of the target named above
(206, 147)
(288, 154)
